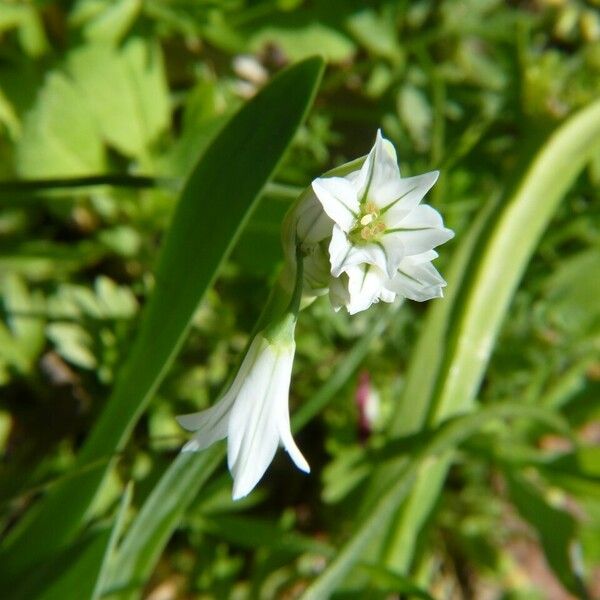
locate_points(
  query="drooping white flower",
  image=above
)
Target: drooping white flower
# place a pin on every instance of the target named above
(253, 414)
(381, 239)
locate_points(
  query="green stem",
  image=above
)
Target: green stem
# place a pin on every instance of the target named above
(294, 306)
(127, 181)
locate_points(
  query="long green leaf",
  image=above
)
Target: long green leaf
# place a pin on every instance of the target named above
(156, 521)
(441, 441)
(214, 205)
(493, 274)
(80, 568)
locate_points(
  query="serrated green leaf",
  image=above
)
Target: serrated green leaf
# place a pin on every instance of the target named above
(49, 149)
(301, 41)
(133, 110)
(112, 23)
(73, 343)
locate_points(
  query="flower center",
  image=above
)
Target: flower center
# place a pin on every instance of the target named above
(369, 226)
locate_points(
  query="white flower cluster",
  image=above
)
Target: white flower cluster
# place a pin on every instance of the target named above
(360, 234)
(366, 236)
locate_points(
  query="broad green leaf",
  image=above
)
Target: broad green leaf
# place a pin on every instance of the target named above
(108, 23)
(493, 272)
(49, 149)
(301, 41)
(376, 33)
(214, 205)
(133, 110)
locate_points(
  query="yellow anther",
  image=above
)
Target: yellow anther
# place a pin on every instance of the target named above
(366, 233)
(367, 219)
(370, 207)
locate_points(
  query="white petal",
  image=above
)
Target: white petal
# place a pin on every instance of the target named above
(282, 390)
(254, 425)
(419, 268)
(405, 196)
(338, 291)
(379, 174)
(416, 241)
(417, 279)
(312, 223)
(386, 174)
(387, 295)
(417, 259)
(343, 254)
(338, 197)
(339, 249)
(365, 285)
(210, 425)
(420, 217)
(413, 290)
(394, 252)
(250, 407)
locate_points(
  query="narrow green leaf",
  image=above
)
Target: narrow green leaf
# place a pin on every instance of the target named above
(442, 441)
(156, 521)
(214, 206)
(110, 556)
(386, 579)
(493, 271)
(80, 567)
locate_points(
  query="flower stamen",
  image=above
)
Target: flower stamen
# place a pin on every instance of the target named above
(370, 225)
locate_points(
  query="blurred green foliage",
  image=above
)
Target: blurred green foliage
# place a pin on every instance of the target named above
(117, 99)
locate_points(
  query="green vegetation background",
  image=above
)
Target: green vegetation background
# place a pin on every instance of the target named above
(118, 100)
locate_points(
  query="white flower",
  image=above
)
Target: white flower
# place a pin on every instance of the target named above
(381, 238)
(253, 414)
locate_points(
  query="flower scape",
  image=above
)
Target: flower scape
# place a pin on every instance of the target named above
(361, 234)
